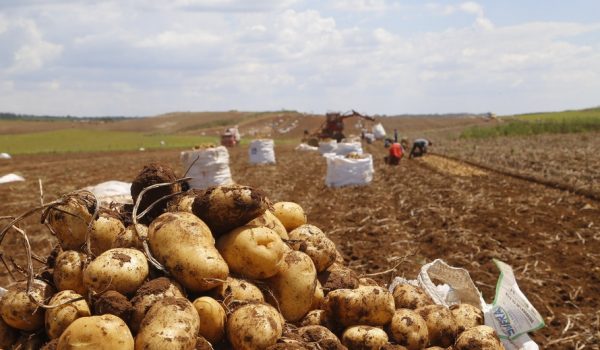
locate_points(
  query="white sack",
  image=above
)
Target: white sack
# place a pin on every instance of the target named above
(11, 178)
(5, 156)
(344, 148)
(379, 131)
(327, 146)
(210, 169)
(305, 147)
(262, 151)
(342, 171)
(112, 191)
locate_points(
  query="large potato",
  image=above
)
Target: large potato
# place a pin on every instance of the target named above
(70, 220)
(59, 318)
(338, 276)
(364, 338)
(294, 285)
(171, 323)
(184, 245)
(68, 271)
(120, 269)
(366, 305)
(410, 297)
(105, 229)
(212, 319)
(441, 326)
(235, 289)
(290, 214)
(480, 338)
(18, 311)
(409, 329)
(106, 332)
(466, 316)
(268, 219)
(147, 295)
(8, 335)
(311, 240)
(254, 252)
(226, 207)
(254, 327)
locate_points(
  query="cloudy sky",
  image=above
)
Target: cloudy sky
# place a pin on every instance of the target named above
(146, 57)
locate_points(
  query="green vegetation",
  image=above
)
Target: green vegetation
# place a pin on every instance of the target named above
(80, 140)
(31, 117)
(539, 123)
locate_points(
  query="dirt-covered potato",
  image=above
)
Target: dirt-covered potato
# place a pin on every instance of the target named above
(105, 230)
(410, 297)
(59, 318)
(8, 335)
(68, 271)
(364, 338)
(18, 311)
(480, 338)
(315, 318)
(235, 289)
(254, 327)
(152, 174)
(368, 305)
(114, 303)
(441, 325)
(314, 337)
(212, 318)
(182, 202)
(409, 329)
(120, 269)
(290, 214)
(338, 276)
(268, 219)
(70, 220)
(318, 297)
(366, 281)
(184, 245)
(254, 252)
(226, 207)
(311, 240)
(466, 316)
(106, 332)
(171, 323)
(147, 295)
(294, 285)
(130, 238)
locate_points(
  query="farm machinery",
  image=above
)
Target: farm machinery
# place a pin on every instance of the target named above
(333, 127)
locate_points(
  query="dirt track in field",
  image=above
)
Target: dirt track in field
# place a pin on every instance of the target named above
(416, 212)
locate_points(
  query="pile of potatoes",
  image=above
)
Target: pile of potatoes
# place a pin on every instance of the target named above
(221, 268)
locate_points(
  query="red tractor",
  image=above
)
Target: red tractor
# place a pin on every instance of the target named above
(333, 127)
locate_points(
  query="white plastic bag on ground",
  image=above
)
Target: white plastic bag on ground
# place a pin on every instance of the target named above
(112, 191)
(11, 178)
(342, 171)
(344, 148)
(5, 156)
(262, 151)
(327, 146)
(305, 147)
(510, 314)
(378, 131)
(209, 167)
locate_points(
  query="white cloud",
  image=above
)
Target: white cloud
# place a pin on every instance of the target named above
(171, 38)
(364, 5)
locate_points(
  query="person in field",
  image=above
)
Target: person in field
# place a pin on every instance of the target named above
(419, 148)
(396, 153)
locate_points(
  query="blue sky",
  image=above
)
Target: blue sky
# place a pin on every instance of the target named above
(146, 57)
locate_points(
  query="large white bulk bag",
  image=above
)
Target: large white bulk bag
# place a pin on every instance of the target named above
(5, 156)
(342, 171)
(327, 146)
(262, 151)
(379, 131)
(210, 169)
(112, 191)
(348, 147)
(11, 178)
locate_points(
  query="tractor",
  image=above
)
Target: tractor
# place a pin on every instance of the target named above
(333, 127)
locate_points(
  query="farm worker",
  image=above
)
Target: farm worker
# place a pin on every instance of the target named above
(419, 148)
(396, 153)
(395, 135)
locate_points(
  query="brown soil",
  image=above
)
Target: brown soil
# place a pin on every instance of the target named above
(114, 303)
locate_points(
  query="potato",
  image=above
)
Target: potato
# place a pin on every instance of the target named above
(479, 337)
(254, 252)
(105, 230)
(226, 207)
(466, 316)
(70, 220)
(409, 329)
(315, 318)
(59, 318)
(8, 335)
(212, 319)
(183, 202)
(203, 344)
(441, 325)
(338, 276)
(254, 327)
(235, 289)
(130, 238)
(314, 337)
(364, 338)
(318, 297)
(410, 297)
(294, 285)
(120, 269)
(366, 281)
(368, 305)
(147, 295)
(114, 303)
(311, 240)
(268, 219)
(68, 271)
(18, 311)
(151, 174)
(171, 323)
(290, 214)
(104, 332)
(184, 245)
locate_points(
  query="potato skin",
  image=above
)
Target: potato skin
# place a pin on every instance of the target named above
(479, 337)
(68, 271)
(147, 295)
(105, 230)
(254, 252)
(290, 214)
(409, 329)
(71, 229)
(8, 335)
(184, 245)
(171, 323)
(235, 289)
(364, 338)
(338, 276)
(365, 305)
(130, 237)
(441, 326)
(254, 327)
(212, 319)
(466, 316)
(311, 240)
(59, 318)
(410, 297)
(21, 313)
(268, 219)
(120, 269)
(104, 332)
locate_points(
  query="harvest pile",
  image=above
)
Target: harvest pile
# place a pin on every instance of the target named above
(221, 268)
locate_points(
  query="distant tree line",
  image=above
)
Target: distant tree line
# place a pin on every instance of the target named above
(14, 116)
